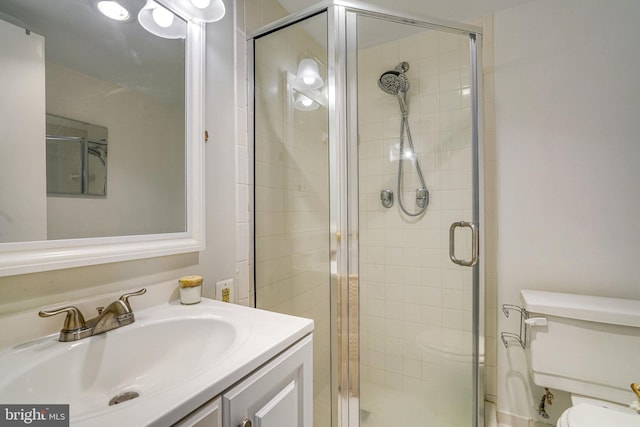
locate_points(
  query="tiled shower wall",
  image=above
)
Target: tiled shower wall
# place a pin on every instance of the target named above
(416, 304)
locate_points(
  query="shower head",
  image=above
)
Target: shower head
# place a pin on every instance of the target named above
(394, 81)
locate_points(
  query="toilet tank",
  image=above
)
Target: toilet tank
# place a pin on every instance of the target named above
(588, 346)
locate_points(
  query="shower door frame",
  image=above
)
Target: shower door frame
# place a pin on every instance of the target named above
(343, 187)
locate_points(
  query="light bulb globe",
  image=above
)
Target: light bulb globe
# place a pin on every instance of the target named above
(162, 16)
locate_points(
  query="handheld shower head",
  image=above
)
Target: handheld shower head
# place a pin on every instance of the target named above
(393, 82)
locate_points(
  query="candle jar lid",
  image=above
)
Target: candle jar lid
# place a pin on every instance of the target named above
(190, 281)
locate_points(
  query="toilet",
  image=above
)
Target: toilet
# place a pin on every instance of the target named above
(590, 347)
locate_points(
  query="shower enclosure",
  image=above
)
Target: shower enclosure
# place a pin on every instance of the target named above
(357, 111)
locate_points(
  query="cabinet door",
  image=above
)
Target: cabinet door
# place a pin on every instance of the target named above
(208, 415)
(277, 395)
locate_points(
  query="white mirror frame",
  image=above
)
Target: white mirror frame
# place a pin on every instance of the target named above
(31, 257)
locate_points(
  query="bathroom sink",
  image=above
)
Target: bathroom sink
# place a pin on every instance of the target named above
(169, 355)
(145, 358)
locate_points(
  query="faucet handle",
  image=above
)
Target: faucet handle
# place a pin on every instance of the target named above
(125, 298)
(72, 322)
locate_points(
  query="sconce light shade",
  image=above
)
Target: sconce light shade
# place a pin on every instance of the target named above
(199, 10)
(304, 103)
(308, 76)
(161, 21)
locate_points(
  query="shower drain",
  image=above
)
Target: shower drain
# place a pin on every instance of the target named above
(123, 397)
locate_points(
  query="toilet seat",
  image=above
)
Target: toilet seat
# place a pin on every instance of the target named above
(588, 415)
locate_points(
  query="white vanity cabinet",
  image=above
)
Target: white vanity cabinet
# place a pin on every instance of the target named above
(278, 394)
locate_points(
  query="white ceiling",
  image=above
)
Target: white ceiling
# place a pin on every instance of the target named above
(454, 10)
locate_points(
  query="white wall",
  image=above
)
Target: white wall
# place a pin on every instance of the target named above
(145, 166)
(23, 209)
(568, 181)
(32, 291)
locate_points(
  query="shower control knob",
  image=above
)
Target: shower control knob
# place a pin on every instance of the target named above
(245, 423)
(386, 197)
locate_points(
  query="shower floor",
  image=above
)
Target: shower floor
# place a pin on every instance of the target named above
(381, 406)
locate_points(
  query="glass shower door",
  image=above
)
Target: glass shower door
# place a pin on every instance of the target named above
(292, 244)
(416, 166)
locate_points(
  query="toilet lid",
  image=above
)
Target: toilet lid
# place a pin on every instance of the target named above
(587, 415)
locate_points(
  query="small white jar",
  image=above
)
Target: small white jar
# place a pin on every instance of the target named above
(190, 289)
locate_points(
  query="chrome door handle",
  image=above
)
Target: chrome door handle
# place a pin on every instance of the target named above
(474, 243)
(245, 423)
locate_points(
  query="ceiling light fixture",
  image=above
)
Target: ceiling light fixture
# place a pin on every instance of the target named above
(113, 10)
(162, 22)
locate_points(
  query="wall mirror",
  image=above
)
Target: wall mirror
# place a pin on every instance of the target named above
(65, 60)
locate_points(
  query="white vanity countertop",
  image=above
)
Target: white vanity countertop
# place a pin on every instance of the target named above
(259, 336)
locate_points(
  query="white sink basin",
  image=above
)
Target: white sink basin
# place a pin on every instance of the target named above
(146, 358)
(170, 355)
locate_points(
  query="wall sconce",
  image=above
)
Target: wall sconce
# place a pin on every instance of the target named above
(304, 103)
(306, 86)
(162, 22)
(308, 76)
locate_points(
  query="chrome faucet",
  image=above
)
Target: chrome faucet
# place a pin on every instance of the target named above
(115, 315)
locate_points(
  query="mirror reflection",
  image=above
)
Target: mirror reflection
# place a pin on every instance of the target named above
(76, 158)
(65, 59)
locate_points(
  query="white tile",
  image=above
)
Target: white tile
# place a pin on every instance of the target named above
(429, 103)
(428, 45)
(449, 61)
(393, 256)
(242, 205)
(412, 279)
(393, 310)
(447, 42)
(242, 242)
(432, 316)
(431, 296)
(449, 100)
(392, 328)
(393, 347)
(452, 298)
(412, 314)
(243, 280)
(393, 292)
